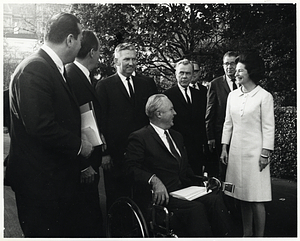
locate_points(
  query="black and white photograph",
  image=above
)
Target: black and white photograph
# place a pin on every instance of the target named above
(141, 120)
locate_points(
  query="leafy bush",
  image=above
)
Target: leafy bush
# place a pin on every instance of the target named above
(284, 157)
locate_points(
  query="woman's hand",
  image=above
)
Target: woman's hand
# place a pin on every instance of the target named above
(263, 162)
(224, 155)
(264, 159)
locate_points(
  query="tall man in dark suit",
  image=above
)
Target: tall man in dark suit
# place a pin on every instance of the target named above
(156, 155)
(122, 98)
(46, 145)
(190, 105)
(218, 91)
(78, 72)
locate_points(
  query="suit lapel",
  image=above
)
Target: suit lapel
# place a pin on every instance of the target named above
(86, 82)
(180, 95)
(225, 84)
(47, 58)
(158, 139)
(121, 86)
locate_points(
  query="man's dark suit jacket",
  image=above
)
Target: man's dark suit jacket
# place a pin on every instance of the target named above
(190, 122)
(217, 94)
(45, 132)
(119, 116)
(85, 93)
(88, 199)
(147, 155)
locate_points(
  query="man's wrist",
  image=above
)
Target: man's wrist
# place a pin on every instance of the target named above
(151, 178)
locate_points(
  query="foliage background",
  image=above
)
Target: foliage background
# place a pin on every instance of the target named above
(165, 33)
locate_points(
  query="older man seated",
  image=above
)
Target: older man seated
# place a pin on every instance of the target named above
(156, 155)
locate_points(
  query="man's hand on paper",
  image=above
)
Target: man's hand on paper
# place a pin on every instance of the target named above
(88, 175)
(107, 162)
(160, 194)
(86, 147)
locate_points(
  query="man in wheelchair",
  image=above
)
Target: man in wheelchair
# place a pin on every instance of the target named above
(156, 155)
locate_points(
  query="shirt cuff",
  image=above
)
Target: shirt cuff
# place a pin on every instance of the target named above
(149, 181)
(79, 150)
(84, 169)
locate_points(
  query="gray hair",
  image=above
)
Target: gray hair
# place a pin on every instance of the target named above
(123, 46)
(184, 62)
(153, 104)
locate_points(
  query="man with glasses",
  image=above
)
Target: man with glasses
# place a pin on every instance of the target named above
(218, 91)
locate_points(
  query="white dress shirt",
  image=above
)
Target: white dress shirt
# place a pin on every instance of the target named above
(55, 59)
(230, 83)
(161, 134)
(183, 92)
(83, 69)
(124, 81)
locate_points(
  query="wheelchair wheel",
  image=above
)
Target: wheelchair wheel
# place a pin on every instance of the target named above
(126, 220)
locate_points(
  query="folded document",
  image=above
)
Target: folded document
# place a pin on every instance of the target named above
(89, 128)
(190, 193)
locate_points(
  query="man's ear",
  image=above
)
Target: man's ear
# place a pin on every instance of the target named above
(69, 40)
(157, 114)
(92, 52)
(116, 62)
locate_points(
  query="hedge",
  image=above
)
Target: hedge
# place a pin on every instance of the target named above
(284, 157)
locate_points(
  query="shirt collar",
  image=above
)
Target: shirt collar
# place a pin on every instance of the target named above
(83, 69)
(229, 81)
(251, 93)
(160, 131)
(183, 89)
(54, 57)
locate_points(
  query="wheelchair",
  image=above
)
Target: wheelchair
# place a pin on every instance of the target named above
(135, 217)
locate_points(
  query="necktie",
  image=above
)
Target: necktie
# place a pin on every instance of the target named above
(64, 72)
(130, 88)
(195, 86)
(172, 147)
(188, 100)
(234, 84)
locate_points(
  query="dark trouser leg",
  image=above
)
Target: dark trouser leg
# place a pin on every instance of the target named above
(115, 186)
(219, 217)
(89, 211)
(46, 219)
(189, 216)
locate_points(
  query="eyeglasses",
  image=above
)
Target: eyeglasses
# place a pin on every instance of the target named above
(229, 64)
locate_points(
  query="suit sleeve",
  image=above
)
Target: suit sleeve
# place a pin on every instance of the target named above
(135, 159)
(34, 96)
(103, 95)
(210, 111)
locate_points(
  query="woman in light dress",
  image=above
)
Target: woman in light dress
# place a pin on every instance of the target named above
(248, 134)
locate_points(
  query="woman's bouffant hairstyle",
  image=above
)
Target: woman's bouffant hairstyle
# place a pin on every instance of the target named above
(253, 64)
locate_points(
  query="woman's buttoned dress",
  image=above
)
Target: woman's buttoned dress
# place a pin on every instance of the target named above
(249, 127)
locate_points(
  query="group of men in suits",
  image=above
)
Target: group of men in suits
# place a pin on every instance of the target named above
(54, 169)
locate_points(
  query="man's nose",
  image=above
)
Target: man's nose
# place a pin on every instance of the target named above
(131, 61)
